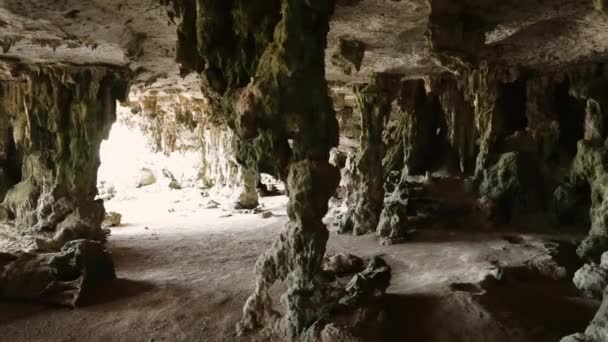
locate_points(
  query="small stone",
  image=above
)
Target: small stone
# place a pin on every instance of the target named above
(267, 214)
(112, 219)
(591, 280)
(485, 206)
(225, 215)
(371, 282)
(342, 264)
(211, 205)
(175, 185)
(592, 247)
(145, 177)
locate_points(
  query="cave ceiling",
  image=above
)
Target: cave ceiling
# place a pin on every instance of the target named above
(393, 36)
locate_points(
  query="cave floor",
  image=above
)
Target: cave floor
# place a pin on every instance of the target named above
(185, 273)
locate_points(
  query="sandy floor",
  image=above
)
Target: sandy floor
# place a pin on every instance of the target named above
(185, 273)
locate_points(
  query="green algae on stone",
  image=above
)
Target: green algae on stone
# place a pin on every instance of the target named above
(263, 71)
(366, 202)
(59, 114)
(512, 184)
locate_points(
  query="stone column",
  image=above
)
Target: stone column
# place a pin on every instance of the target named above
(59, 117)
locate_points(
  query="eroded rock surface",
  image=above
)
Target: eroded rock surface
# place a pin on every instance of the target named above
(59, 114)
(61, 278)
(367, 188)
(280, 110)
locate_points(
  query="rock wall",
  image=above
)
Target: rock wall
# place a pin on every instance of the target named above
(221, 171)
(168, 117)
(367, 191)
(510, 134)
(57, 117)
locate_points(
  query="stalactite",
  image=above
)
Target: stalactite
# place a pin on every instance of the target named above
(264, 76)
(459, 117)
(59, 116)
(222, 172)
(365, 202)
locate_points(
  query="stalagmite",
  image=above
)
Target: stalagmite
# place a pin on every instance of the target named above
(275, 97)
(365, 201)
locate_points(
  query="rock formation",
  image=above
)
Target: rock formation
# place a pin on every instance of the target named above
(57, 117)
(435, 110)
(365, 201)
(263, 69)
(62, 278)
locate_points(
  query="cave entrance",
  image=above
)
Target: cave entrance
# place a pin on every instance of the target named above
(141, 183)
(184, 183)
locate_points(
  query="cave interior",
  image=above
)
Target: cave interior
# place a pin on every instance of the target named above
(304, 170)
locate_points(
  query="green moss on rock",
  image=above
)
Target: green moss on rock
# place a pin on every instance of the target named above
(263, 71)
(59, 115)
(365, 202)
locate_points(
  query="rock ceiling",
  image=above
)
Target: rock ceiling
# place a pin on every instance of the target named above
(531, 33)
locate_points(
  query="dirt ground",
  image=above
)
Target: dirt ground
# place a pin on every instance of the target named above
(185, 273)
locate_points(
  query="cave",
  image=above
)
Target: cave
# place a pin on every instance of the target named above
(306, 171)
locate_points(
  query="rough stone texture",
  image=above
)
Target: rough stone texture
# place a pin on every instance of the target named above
(589, 166)
(399, 212)
(476, 57)
(342, 264)
(459, 119)
(511, 183)
(287, 260)
(358, 312)
(59, 116)
(145, 177)
(246, 195)
(365, 203)
(112, 219)
(221, 170)
(262, 67)
(596, 331)
(420, 125)
(373, 281)
(170, 116)
(591, 280)
(350, 54)
(61, 278)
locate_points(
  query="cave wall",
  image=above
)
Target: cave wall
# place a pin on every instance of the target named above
(510, 134)
(58, 115)
(222, 172)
